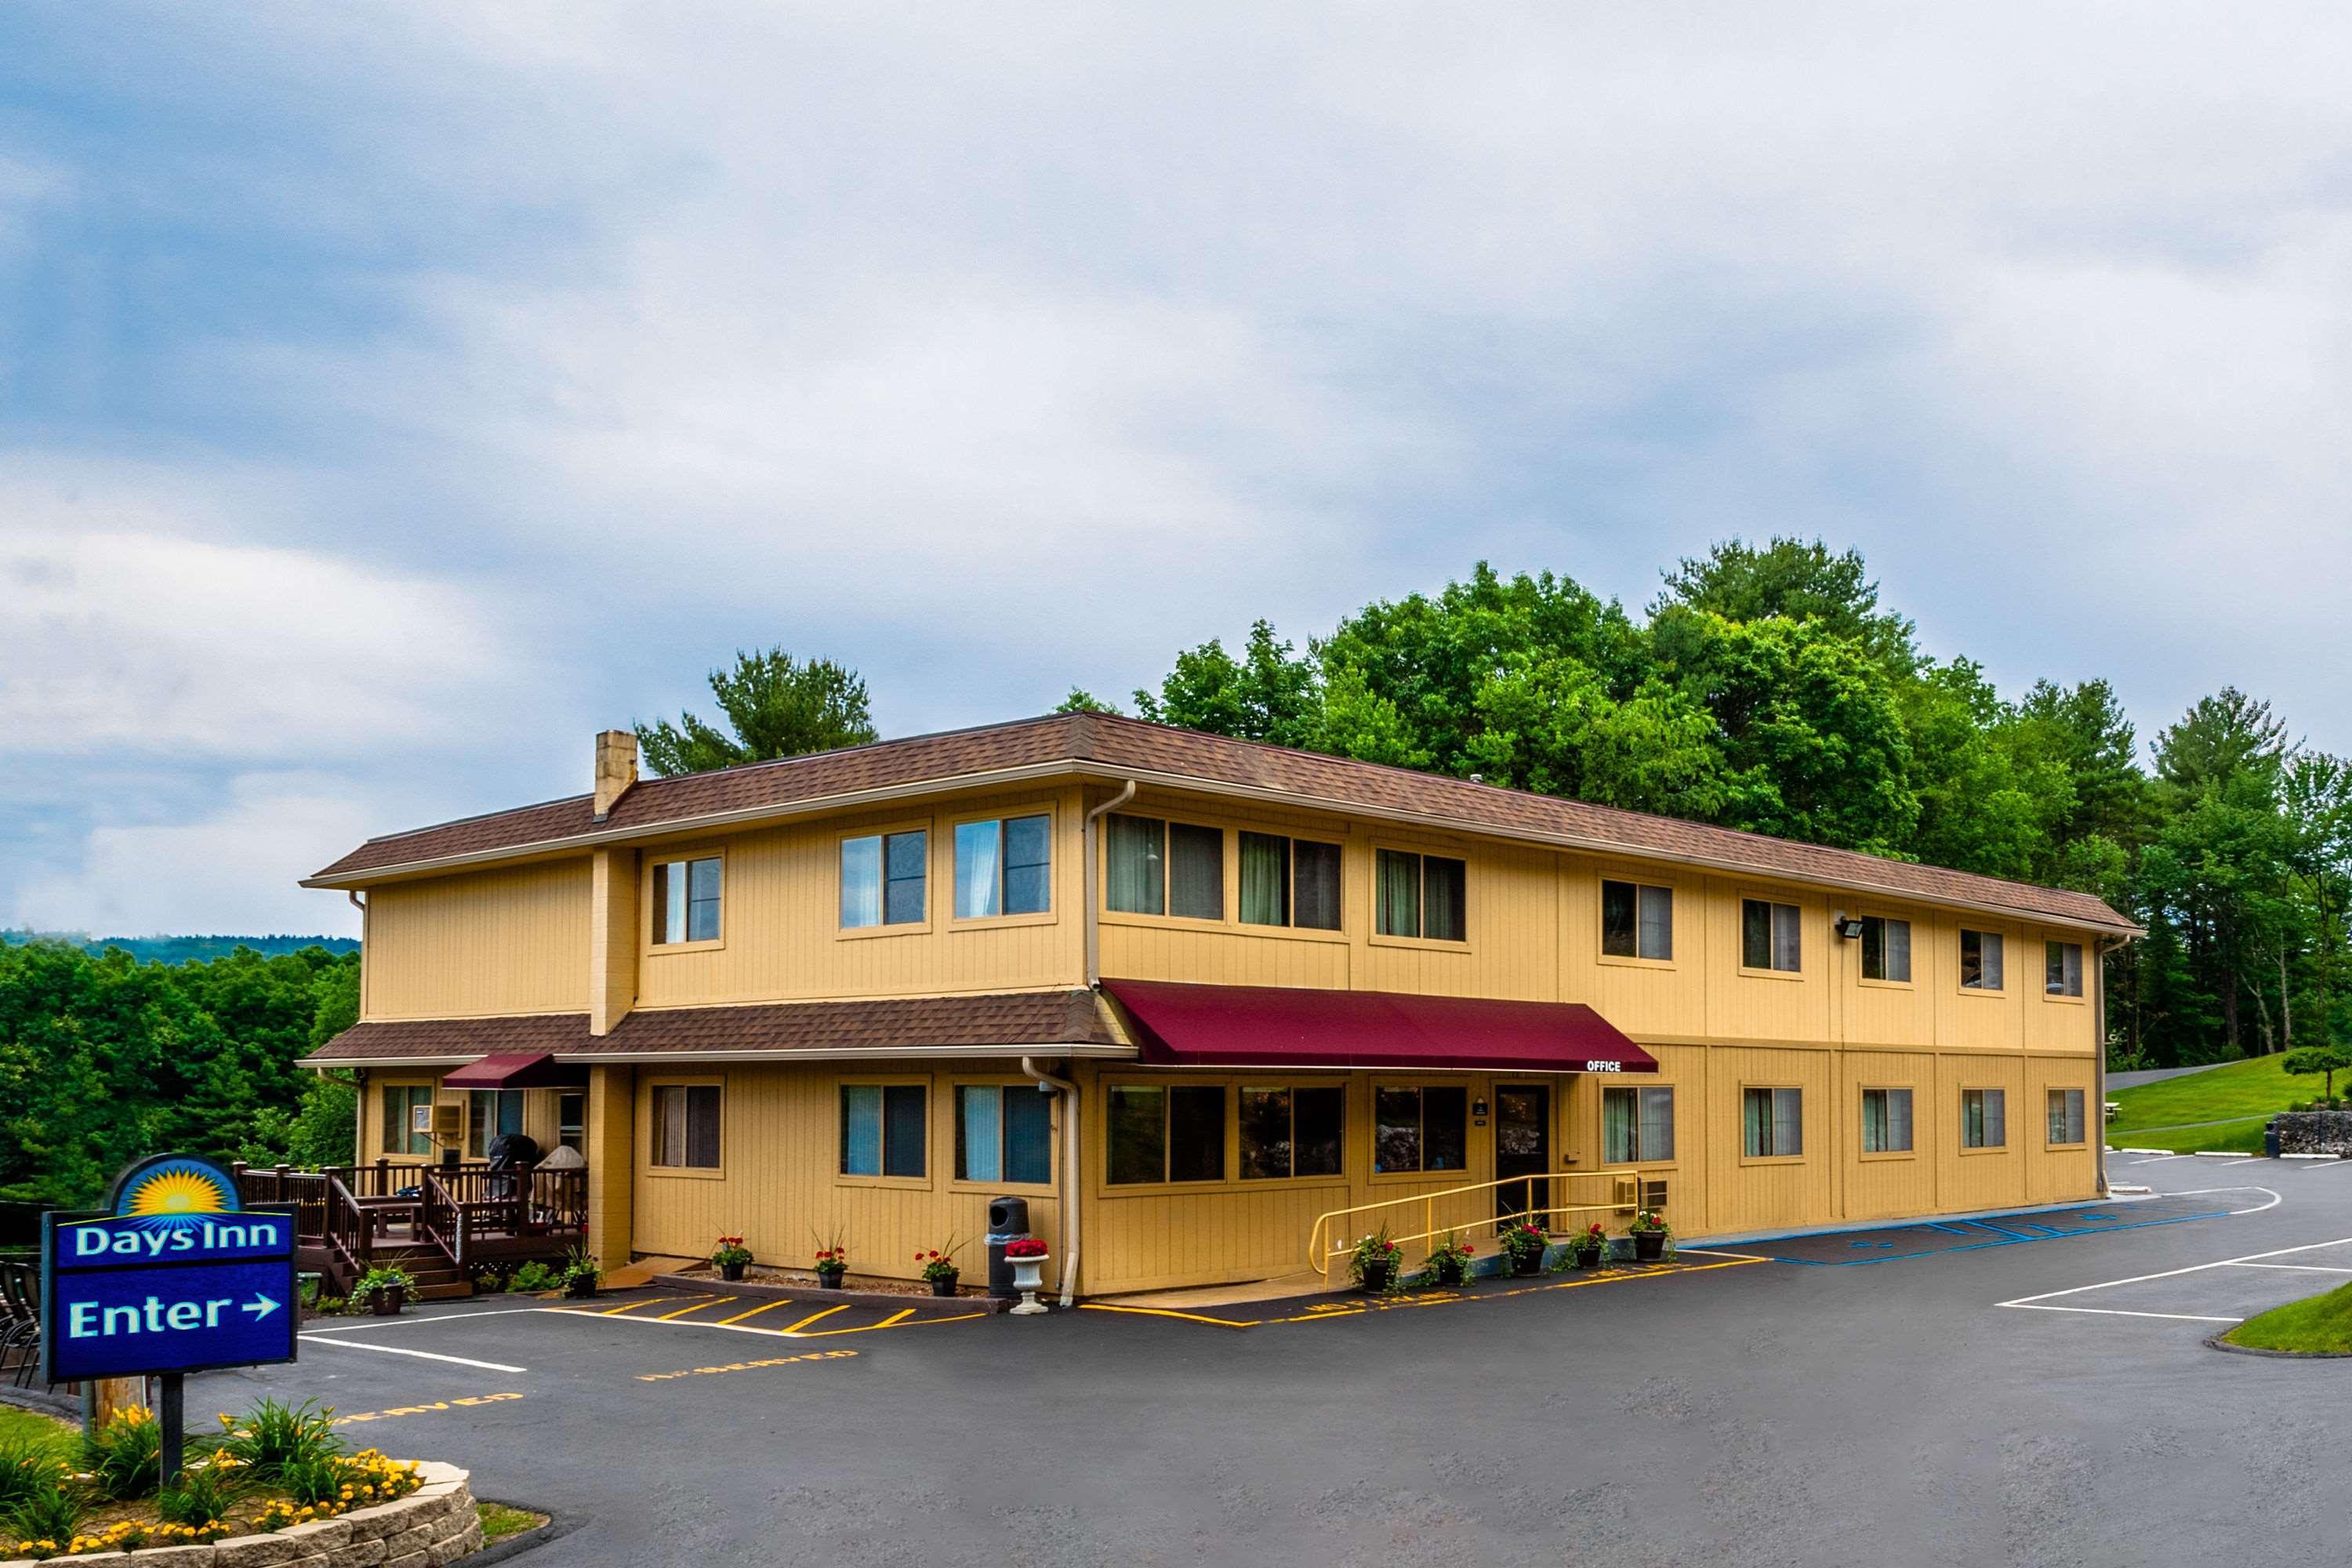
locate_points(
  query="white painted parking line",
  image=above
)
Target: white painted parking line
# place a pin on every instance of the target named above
(420, 1355)
(2325, 1165)
(406, 1323)
(2160, 1159)
(2040, 1303)
(2298, 1267)
(2247, 1161)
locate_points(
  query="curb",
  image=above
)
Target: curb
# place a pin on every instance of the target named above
(818, 1293)
(2215, 1344)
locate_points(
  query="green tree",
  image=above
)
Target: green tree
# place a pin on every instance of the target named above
(1081, 700)
(2331, 1058)
(1267, 694)
(1795, 580)
(775, 705)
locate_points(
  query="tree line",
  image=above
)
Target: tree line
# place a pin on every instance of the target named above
(104, 1059)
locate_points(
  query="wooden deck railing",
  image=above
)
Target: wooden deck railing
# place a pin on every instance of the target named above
(345, 1208)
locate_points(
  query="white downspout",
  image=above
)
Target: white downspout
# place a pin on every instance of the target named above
(1069, 1089)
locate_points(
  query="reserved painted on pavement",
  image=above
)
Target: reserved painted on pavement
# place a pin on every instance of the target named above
(466, 1403)
(743, 1366)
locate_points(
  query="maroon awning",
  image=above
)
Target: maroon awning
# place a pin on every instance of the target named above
(1270, 1026)
(521, 1071)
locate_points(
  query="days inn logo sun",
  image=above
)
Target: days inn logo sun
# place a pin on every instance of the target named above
(174, 1191)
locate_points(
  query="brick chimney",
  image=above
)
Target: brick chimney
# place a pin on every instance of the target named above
(616, 768)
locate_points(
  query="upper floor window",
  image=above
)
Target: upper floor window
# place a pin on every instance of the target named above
(1289, 882)
(686, 1126)
(1637, 922)
(1003, 866)
(685, 900)
(1771, 936)
(1979, 960)
(1421, 895)
(1885, 949)
(883, 878)
(2063, 968)
(1162, 868)
(1637, 1125)
(1984, 1120)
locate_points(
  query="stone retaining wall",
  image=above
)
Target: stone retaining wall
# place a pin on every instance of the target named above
(435, 1525)
(2315, 1133)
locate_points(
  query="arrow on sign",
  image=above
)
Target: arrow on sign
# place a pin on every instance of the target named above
(260, 1306)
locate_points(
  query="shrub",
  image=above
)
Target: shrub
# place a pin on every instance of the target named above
(532, 1277)
(28, 1466)
(204, 1495)
(273, 1437)
(382, 1282)
(51, 1513)
(580, 1266)
(315, 1481)
(125, 1457)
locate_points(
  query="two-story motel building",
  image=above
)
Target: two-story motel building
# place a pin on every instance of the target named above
(1187, 994)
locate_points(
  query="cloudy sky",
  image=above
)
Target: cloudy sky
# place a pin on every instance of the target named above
(392, 396)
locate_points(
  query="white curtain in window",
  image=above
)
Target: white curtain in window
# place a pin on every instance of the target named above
(979, 871)
(1787, 950)
(1657, 1124)
(1788, 1121)
(1617, 1126)
(861, 882)
(1899, 1118)
(1657, 934)
(983, 1109)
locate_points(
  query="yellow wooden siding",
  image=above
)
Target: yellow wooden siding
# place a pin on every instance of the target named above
(780, 1187)
(479, 944)
(781, 938)
(540, 1111)
(2054, 1174)
(1886, 1184)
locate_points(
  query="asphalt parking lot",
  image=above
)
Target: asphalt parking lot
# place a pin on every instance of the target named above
(2045, 1399)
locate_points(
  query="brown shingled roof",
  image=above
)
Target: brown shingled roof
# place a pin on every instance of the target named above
(1005, 1022)
(1112, 745)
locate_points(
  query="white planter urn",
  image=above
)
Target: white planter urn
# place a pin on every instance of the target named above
(1028, 1277)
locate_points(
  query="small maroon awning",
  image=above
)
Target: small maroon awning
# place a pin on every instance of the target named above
(521, 1071)
(1270, 1026)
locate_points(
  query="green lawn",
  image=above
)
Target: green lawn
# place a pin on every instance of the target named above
(2246, 1093)
(19, 1425)
(2321, 1323)
(499, 1521)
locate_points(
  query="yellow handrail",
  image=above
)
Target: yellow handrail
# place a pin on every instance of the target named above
(1320, 1252)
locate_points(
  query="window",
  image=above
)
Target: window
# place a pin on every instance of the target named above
(1885, 949)
(1983, 1124)
(1421, 895)
(1003, 867)
(2062, 968)
(1166, 1134)
(491, 1114)
(882, 878)
(1637, 1126)
(1773, 1123)
(1637, 922)
(1004, 1133)
(685, 900)
(1289, 882)
(1160, 867)
(1769, 936)
(1979, 960)
(2065, 1116)
(402, 1102)
(1886, 1121)
(1421, 1129)
(1291, 1132)
(572, 1121)
(884, 1130)
(686, 1126)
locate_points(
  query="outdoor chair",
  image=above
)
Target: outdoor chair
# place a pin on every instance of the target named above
(20, 1321)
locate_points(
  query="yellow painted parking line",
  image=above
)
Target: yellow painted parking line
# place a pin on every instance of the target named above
(648, 1301)
(813, 1317)
(695, 1306)
(1359, 1307)
(786, 1301)
(894, 1321)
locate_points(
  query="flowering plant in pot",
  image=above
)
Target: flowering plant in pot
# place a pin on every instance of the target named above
(1525, 1242)
(1589, 1245)
(1650, 1234)
(730, 1255)
(385, 1290)
(940, 1269)
(1373, 1263)
(1027, 1257)
(1449, 1260)
(831, 1261)
(582, 1273)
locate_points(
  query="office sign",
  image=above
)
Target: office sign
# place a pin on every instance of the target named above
(177, 1276)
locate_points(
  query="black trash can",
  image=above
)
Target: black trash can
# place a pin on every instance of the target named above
(1008, 1220)
(2270, 1139)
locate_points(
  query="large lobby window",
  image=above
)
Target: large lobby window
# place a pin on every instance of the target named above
(1421, 1129)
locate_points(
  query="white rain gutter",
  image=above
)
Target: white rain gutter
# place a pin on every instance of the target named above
(1046, 1082)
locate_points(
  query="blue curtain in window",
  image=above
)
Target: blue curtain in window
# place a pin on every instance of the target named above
(1028, 865)
(980, 1135)
(903, 1128)
(1028, 1136)
(861, 1129)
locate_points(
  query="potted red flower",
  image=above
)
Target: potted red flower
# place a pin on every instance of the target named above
(730, 1255)
(1373, 1263)
(1590, 1245)
(1525, 1243)
(939, 1267)
(1027, 1257)
(831, 1261)
(1449, 1260)
(1651, 1233)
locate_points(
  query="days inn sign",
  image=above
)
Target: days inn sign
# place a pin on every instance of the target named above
(177, 1276)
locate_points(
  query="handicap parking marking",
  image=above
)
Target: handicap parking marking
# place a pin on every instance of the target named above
(2050, 1300)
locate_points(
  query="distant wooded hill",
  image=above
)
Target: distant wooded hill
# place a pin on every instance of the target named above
(181, 949)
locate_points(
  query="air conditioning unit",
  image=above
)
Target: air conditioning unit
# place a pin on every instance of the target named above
(1644, 1192)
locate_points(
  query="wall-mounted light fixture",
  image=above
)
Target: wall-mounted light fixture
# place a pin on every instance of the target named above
(1847, 926)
